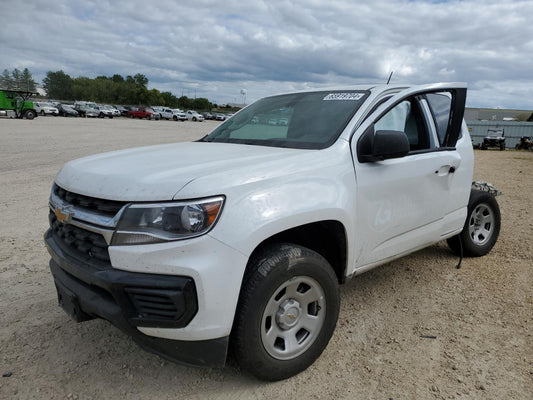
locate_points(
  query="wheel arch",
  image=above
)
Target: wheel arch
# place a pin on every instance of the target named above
(328, 238)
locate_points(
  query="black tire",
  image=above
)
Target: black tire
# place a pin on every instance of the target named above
(43, 113)
(175, 118)
(30, 114)
(481, 228)
(269, 315)
(517, 147)
(131, 116)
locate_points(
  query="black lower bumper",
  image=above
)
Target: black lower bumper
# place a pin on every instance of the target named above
(129, 300)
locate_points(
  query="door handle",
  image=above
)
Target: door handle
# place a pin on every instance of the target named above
(445, 170)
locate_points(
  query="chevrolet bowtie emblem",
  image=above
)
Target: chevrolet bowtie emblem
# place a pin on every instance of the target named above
(63, 215)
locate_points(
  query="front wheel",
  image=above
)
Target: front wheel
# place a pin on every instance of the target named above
(30, 114)
(481, 228)
(42, 113)
(287, 312)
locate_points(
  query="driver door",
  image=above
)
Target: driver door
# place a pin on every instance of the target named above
(405, 203)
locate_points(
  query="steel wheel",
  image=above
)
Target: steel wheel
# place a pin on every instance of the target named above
(287, 311)
(293, 318)
(481, 224)
(481, 228)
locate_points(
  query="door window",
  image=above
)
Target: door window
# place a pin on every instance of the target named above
(407, 117)
(440, 105)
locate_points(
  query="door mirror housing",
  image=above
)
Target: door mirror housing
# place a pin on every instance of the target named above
(381, 145)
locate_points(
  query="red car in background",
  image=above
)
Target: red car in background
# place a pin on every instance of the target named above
(142, 112)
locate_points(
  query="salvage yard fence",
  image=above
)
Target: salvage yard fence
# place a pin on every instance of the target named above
(513, 131)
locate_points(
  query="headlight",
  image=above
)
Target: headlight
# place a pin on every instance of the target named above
(163, 222)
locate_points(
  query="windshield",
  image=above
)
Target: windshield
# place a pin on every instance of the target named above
(312, 120)
(492, 133)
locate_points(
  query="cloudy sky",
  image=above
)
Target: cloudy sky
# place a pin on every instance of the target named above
(216, 48)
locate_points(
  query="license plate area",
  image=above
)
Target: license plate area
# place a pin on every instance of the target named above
(70, 304)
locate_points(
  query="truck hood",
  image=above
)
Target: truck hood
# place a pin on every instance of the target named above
(157, 173)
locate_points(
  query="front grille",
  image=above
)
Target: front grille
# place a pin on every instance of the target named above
(157, 305)
(79, 243)
(106, 207)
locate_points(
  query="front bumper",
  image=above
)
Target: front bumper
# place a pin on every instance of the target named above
(131, 300)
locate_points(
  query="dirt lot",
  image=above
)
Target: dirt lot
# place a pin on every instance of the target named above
(481, 315)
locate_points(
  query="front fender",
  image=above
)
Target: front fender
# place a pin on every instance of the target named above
(318, 186)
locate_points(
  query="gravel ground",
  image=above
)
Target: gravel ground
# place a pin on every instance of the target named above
(478, 319)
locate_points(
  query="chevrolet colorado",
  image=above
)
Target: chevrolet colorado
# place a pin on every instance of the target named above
(240, 240)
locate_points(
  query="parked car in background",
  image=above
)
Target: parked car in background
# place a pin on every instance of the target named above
(86, 110)
(220, 117)
(494, 138)
(179, 115)
(143, 112)
(164, 113)
(114, 111)
(45, 108)
(104, 111)
(66, 110)
(79, 103)
(122, 110)
(194, 116)
(207, 115)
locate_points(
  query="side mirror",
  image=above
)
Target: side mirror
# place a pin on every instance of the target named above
(381, 145)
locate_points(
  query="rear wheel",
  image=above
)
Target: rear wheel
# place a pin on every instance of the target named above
(287, 312)
(42, 113)
(481, 228)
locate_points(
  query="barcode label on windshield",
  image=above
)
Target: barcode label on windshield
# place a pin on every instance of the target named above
(343, 96)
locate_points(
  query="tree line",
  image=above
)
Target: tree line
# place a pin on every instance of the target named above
(131, 90)
(17, 80)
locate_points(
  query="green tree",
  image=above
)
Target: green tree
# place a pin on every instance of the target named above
(6, 81)
(117, 78)
(27, 81)
(17, 78)
(58, 85)
(169, 100)
(184, 102)
(201, 104)
(141, 80)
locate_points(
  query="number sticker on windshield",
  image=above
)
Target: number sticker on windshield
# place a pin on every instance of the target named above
(343, 96)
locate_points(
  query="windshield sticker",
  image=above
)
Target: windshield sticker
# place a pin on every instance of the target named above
(343, 96)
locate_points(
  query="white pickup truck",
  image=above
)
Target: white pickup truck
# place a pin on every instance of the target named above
(240, 240)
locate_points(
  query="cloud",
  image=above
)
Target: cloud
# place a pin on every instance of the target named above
(274, 46)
